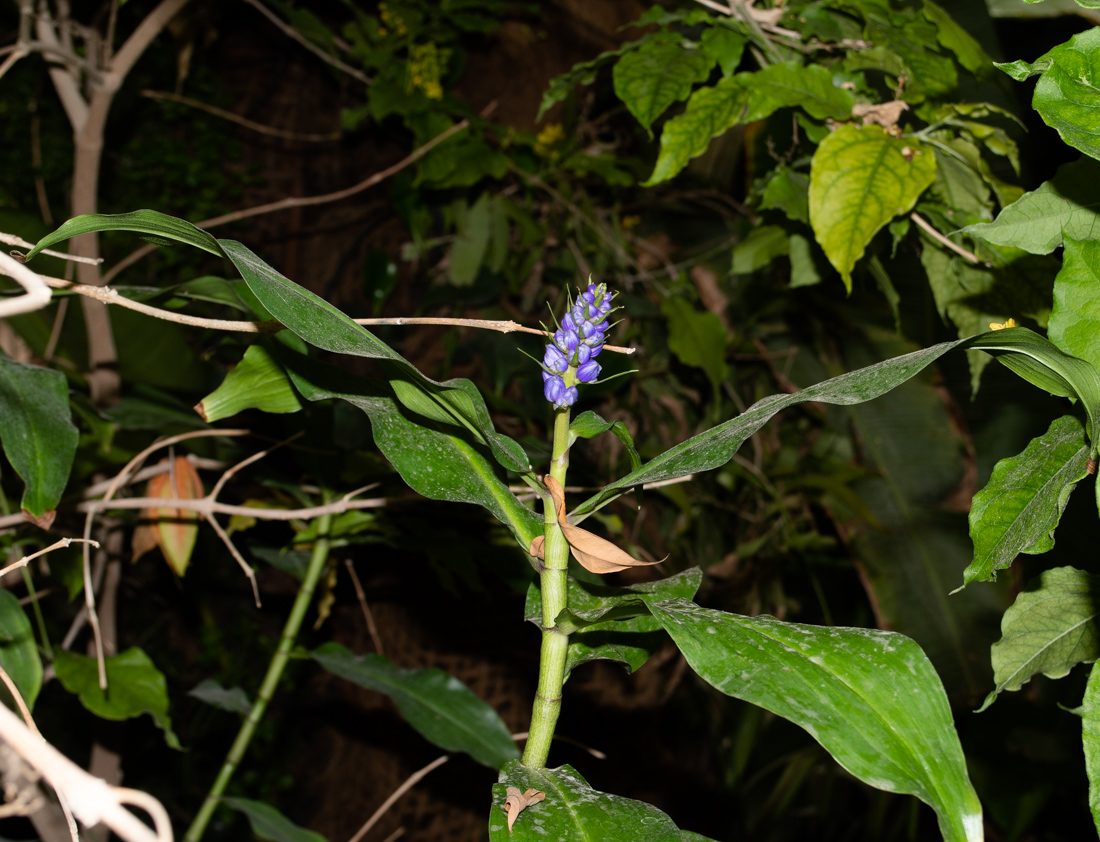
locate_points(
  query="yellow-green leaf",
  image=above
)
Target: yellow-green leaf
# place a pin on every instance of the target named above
(860, 179)
(258, 382)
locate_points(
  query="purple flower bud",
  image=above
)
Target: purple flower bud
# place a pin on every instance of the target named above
(555, 360)
(602, 326)
(587, 330)
(588, 372)
(553, 389)
(588, 297)
(596, 350)
(568, 324)
(584, 354)
(566, 341)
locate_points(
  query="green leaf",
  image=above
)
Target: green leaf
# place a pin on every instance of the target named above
(789, 191)
(790, 84)
(1050, 628)
(436, 704)
(651, 78)
(1023, 501)
(36, 430)
(134, 686)
(588, 425)
(141, 221)
(1067, 95)
(232, 699)
(763, 245)
(725, 46)
(257, 382)
(804, 270)
(573, 810)
(1075, 319)
(710, 112)
(952, 36)
(269, 824)
(860, 179)
(697, 338)
(1036, 222)
(717, 445)
(1090, 737)
(613, 624)
(471, 240)
(18, 649)
(871, 698)
(439, 463)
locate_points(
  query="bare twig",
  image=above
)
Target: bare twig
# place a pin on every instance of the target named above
(64, 542)
(152, 471)
(595, 752)
(925, 226)
(12, 240)
(255, 457)
(412, 781)
(367, 615)
(208, 506)
(270, 131)
(291, 32)
(286, 204)
(245, 566)
(36, 295)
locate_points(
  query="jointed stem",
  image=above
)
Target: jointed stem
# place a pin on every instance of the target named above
(317, 564)
(544, 715)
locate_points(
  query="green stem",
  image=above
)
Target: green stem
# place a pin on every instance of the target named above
(275, 669)
(547, 706)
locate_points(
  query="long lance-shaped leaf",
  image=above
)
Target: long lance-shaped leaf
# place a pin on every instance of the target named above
(871, 698)
(1050, 628)
(443, 709)
(1023, 501)
(573, 810)
(437, 461)
(318, 323)
(38, 436)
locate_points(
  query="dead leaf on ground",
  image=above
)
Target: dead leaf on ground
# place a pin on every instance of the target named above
(885, 114)
(517, 802)
(596, 554)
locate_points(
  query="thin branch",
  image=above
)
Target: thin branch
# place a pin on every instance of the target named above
(36, 295)
(151, 471)
(291, 32)
(367, 615)
(255, 457)
(64, 542)
(12, 240)
(140, 39)
(270, 131)
(286, 204)
(412, 781)
(245, 566)
(925, 226)
(208, 506)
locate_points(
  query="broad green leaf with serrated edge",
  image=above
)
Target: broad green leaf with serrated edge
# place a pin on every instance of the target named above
(134, 686)
(968, 51)
(613, 624)
(697, 338)
(1050, 628)
(589, 424)
(438, 705)
(269, 824)
(717, 445)
(141, 221)
(725, 46)
(438, 463)
(36, 431)
(1090, 738)
(257, 382)
(1023, 501)
(710, 112)
(871, 698)
(1036, 222)
(573, 810)
(1067, 95)
(651, 78)
(789, 84)
(18, 649)
(860, 179)
(1075, 320)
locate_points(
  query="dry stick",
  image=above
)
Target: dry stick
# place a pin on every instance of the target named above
(412, 781)
(367, 615)
(64, 542)
(925, 226)
(151, 471)
(12, 240)
(270, 131)
(255, 457)
(306, 201)
(309, 45)
(397, 834)
(244, 565)
(595, 752)
(36, 294)
(208, 506)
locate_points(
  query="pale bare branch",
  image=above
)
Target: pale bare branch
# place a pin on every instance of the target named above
(270, 131)
(36, 295)
(410, 782)
(291, 32)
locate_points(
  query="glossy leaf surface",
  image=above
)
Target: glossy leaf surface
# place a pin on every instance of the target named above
(436, 704)
(1023, 501)
(588, 424)
(871, 698)
(574, 811)
(150, 222)
(860, 179)
(1050, 628)
(271, 825)
(18, 649)
(257, 382)
(134, 686)
(36, 431)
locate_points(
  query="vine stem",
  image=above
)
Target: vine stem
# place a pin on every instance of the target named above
(317, 563)
(547, 706)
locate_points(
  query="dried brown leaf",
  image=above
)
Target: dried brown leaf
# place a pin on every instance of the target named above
(516, 802)
(43, 521)
(885, 114)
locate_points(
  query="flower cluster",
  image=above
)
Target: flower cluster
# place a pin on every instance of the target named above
(571, 357)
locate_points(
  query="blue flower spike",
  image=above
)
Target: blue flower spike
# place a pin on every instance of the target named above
(571, 357)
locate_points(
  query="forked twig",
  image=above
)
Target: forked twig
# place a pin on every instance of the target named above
(410, 782)
(367, 615)
(64, 542)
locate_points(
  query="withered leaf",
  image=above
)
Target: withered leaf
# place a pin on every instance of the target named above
(517, 802)
(885, 114)
(596, 554)
(173, 530)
